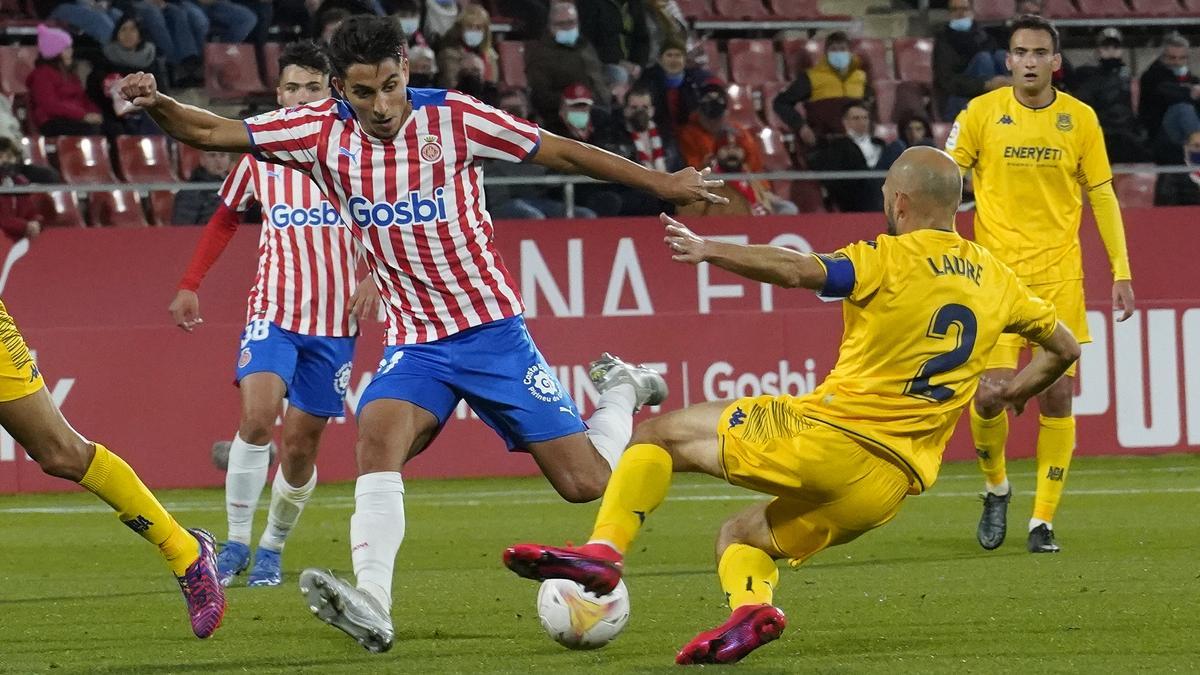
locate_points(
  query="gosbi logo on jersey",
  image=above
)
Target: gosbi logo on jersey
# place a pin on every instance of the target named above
(413, 211)
(323, 215)
(431, 149)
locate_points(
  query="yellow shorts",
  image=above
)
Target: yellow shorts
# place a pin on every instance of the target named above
(1067, 298)
(19, 376)
(828, 487)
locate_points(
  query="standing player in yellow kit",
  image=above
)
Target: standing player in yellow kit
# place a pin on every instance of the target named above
(1033, 150)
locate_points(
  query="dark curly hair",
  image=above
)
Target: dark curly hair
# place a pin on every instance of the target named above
(368, 40)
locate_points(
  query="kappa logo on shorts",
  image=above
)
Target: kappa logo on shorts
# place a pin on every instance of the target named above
(341, 381)
(738, 417)
(542, 384)
(33, 376)
(244, 358)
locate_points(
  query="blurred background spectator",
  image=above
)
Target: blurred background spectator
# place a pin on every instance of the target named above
(746, 197)
(195, 207)
(617, 28)
(1169, 92)
(699, 138)
(964, 61)
(94, 18)
(674, 86)
(664, 22)
(579, 119)
(440, 16)
(19, 213)
(470, 80)
(422, 67)
(1181, 189)
(636, 137)
(471, 34)
(58, 104)
(915, 130)
(856, 150)
(1107, 87)
(179, 35)
(408, 13)
(128, 52)
(560, 58)
(824, 89)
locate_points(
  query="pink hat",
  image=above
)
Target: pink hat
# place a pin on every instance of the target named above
(52, 41)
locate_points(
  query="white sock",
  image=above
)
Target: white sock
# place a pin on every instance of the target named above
(1000, 489)
(1034, 522)
(611, 426)
(287, 502)
(244, 481)
(376, 531)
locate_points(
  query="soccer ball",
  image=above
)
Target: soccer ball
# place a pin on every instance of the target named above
(580, 620)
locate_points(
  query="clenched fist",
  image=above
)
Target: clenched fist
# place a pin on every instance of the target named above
(140, 89)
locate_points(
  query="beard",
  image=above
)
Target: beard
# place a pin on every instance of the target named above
(891, 224)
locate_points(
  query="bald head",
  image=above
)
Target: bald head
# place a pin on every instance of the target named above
(925, 184)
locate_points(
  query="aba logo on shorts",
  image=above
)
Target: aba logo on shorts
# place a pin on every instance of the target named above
(737, 418)
(341, 381)
(542, 384)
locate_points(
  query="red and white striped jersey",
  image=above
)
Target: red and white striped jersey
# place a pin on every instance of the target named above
(306, 259)
(414, 203)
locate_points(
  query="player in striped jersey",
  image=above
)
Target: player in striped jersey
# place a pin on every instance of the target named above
(403, 166)
(300, 330)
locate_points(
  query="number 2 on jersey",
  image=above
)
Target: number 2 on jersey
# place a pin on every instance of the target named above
(939, 329)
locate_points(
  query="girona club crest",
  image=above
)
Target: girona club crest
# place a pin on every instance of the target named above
(431, 149)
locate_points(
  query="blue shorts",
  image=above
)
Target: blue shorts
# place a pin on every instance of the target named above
(315, 370)
(496, 368)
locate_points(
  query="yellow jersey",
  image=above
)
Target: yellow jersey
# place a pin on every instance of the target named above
(922, 311)
(1029, 168)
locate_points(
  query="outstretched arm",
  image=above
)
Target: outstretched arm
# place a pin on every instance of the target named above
(682, 187)
(185, 123)
(769, 264)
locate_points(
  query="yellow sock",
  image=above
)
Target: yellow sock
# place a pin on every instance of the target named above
(111, 479)
(990, 436)
(1055, 445)
(748, 576)
(637, 486)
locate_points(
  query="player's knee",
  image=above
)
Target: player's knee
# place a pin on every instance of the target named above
(580, 487)
(65, 457)
(1056, 401)
(256, 427)
(654, 431)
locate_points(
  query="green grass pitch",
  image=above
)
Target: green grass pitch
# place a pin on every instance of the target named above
(79, 593)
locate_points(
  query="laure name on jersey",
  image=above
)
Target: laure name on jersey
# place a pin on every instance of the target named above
(952, 264)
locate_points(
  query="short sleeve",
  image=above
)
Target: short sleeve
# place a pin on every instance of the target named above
(494, 134)
(1094, 169)
(291, 136)
(852, 273)
(1030, 316)
(238, 189)
(962, 142)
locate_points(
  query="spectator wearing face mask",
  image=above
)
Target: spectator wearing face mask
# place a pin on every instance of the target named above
(440, 17)
(1181, 189)
(964, 61)
(563, 57)
(1169, 96)
(422, 67)
(674, 86)
(472, 34)
(579, 119)
(1106, 87)
(856, 150)
(746, 197)
(408, 13)
(534, 202)
(470, 80)
(637, 138)
(699, 137)
(838, 79)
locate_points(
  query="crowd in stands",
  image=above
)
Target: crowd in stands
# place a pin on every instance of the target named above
(631, 76)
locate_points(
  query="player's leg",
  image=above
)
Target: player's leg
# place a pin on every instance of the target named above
(989, 430)
(315, 393)
(37, 425)
(399, 414)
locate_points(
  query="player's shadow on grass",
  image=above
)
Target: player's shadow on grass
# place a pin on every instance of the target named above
(261, 661)
(834, 563)
(86, 596)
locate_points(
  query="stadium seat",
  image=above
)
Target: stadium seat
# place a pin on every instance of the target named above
(752, 62)
(806, 194)
(1059, 9)
(715, 63)
(914, 59)
(885, 100)
(189, 159)
(1135, 92)
(512, 63)
(231, 71)
(741, 106)
(888, 132)
(1103, 8)
(775, 158)
(767, 95)
(913, 98)
(1135, 190)
(825, 115)
(59, 209)
(119, 208)
(144, 159)
(162, 207)
(795, 10)
(270, 62)
(940, 131)
(695, 9)
(992, 12)
(15, 65)
(873, 53)
(733, 10)
(1158, 8)
(84, 159)
(795, 56)
(34, 148)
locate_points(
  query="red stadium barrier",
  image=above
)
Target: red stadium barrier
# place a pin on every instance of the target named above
(92, 303)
